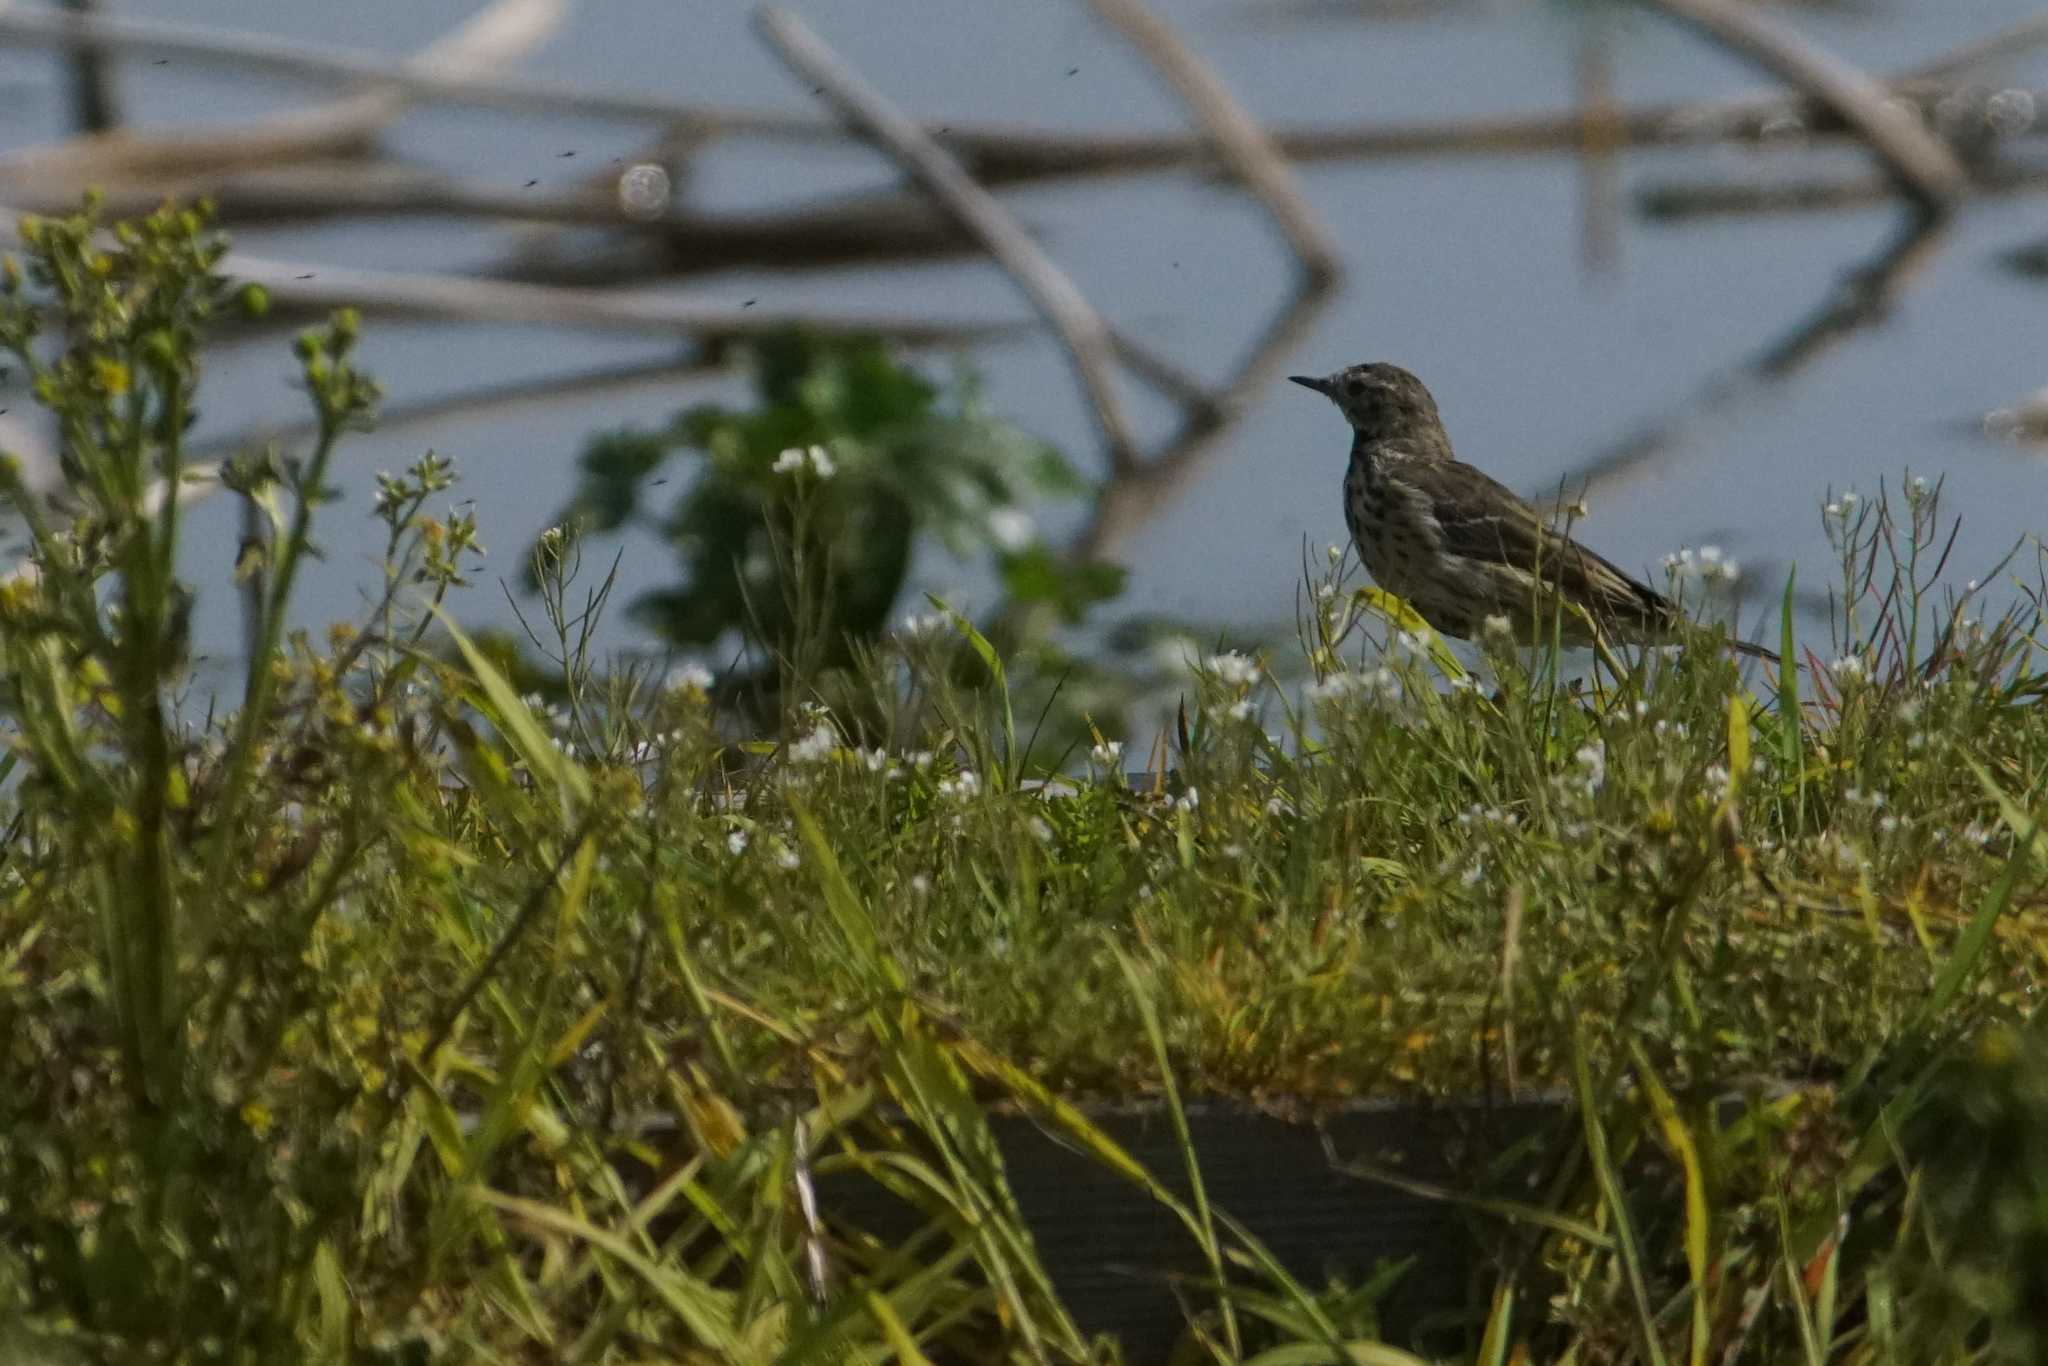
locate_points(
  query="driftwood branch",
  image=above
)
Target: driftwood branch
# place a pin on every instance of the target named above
(1130, 499)
(1241, 144)
(1675, 200)
(413, 294)
(499, 33)
(469, 84)
(993, 154)
(1086, 336)
(1920, 162)
(671, 242)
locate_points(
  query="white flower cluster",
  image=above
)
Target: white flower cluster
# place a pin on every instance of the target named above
(962, 786)
(1233, 669)
(1708, 563)
(688, 678)
(918, 625)
(815, 747)
(1592, 759)
(1108, 754)
(1011, 528)
(1477, 815)
(1338, 686)
(799, 458)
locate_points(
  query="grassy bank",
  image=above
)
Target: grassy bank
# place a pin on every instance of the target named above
(332, 1020)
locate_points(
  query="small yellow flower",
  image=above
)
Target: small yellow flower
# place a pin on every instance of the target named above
(257, 1117)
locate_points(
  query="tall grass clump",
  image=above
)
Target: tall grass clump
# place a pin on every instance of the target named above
(394, 1010)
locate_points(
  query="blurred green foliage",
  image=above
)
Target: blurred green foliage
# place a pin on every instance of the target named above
(906, 458)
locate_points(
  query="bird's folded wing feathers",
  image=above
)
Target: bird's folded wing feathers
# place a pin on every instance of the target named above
(1480, 518)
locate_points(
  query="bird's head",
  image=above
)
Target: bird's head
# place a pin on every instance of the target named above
(1379, 400)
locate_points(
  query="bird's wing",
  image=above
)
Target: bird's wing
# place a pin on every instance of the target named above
(1482, 519)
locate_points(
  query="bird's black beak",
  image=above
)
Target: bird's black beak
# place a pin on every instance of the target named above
(1321, 386)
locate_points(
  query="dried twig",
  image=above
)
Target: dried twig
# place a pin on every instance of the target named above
(93, 108)
(1922, 164)
(671, 242)
(1131, 498)
(1242, 145)
(1674, 200)
(499, 33)
(1086, 336)
(993, 154)
(474, 84)
(1600, 214)
(415, 294)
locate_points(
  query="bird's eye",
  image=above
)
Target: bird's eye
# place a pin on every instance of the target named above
(1355, 388)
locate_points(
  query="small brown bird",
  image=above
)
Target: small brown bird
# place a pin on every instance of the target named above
(1460, 547)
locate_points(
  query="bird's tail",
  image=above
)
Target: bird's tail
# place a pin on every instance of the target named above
(1743, 647)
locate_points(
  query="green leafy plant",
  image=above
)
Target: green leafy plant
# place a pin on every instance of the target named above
(810, 551)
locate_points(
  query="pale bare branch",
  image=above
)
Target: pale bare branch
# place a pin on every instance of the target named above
(1243, 146)
(1922, 163)
(1086, 336)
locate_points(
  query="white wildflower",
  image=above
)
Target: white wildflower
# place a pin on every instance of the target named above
(1474, 875)
(920, 759)
(1233, 669)
(1241, 710)
(815, 747)
(786, 859)
(1333, 688)
(1592, 759)
(962, 786)
(1108, 754)
(799, 458)
(874, 760)
(1188, 800)
(1040, 831)
(1497, 626)
(1849, 668)
(688, 678)
(1718, 781)
(736, 843)
(920, 885)
(1011, 528)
